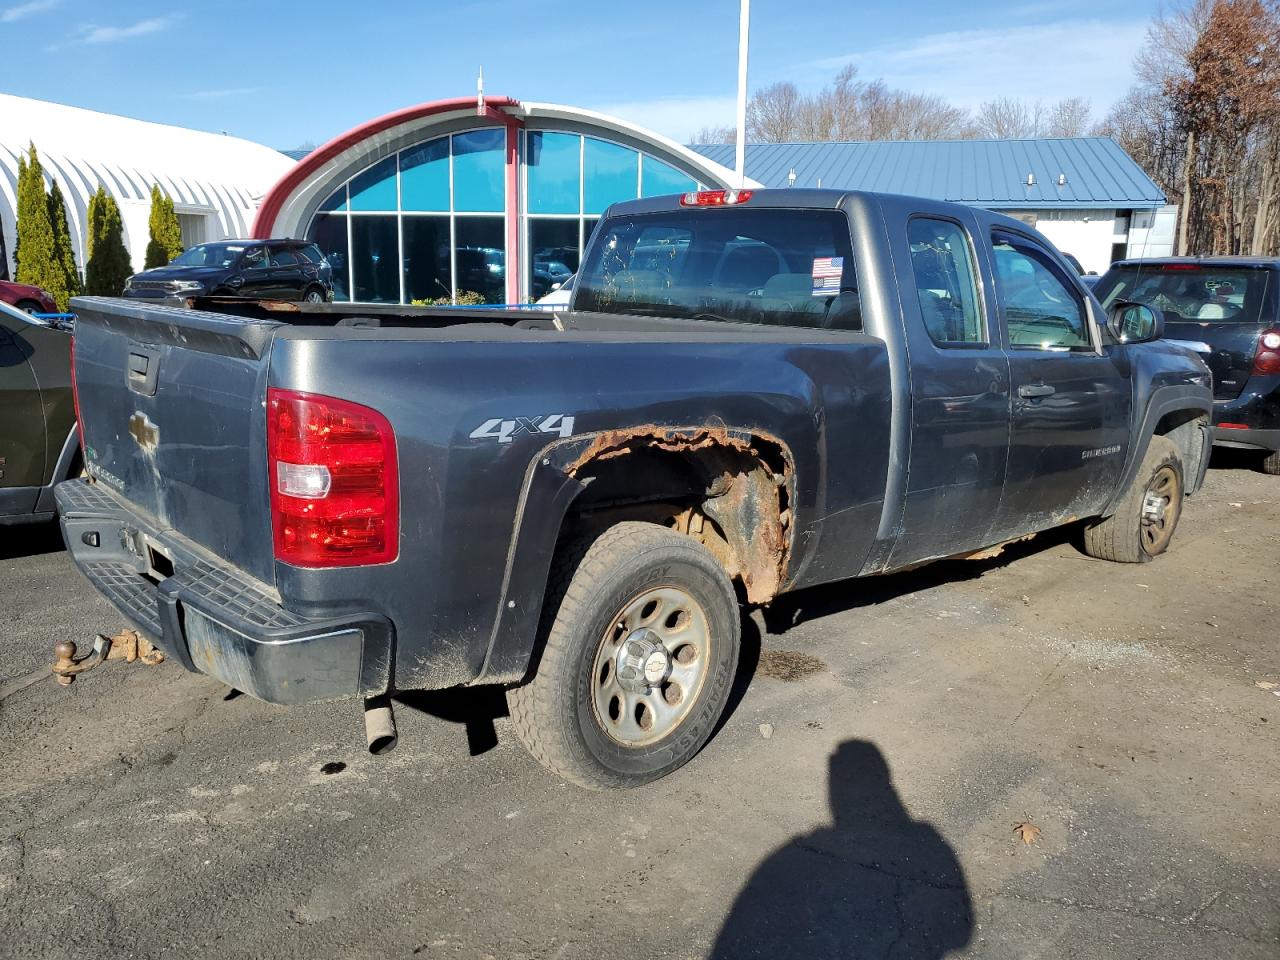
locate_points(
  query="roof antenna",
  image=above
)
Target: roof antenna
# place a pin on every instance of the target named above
(480, 91)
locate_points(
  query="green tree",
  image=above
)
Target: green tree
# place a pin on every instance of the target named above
(64, 277)
(35, 252)
(108, 266)
(166, 234)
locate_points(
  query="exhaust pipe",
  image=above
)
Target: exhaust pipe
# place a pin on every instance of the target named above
(379, 725)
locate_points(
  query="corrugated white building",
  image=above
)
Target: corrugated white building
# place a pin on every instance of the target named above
(216, 181)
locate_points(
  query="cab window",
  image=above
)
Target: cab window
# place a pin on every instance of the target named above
(946, 287)
(1042, 309)
(254, 257)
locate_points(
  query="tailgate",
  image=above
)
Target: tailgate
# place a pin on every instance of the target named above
(1226, 348)
(171, 403)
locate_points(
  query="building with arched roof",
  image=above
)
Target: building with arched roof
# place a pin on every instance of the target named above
(216, 181)
(483, 195)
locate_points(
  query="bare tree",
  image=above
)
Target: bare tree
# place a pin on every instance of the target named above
(849, 109)
(773, 113)
(1227, 101)
(1068, 118)
(714, 134)
(1007, 118)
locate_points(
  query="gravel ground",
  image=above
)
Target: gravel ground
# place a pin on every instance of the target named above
(859, 802)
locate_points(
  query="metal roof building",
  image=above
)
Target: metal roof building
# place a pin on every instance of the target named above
(216, 181)
(1061, 173)
(1084, 193)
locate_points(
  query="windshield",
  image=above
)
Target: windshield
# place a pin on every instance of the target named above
(1195, 292)
(209, 255)
(768, 266)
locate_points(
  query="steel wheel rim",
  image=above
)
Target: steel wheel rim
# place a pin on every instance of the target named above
(1161, 504)
(667, 618)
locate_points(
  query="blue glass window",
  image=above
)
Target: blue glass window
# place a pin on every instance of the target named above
(659, 178)
(375, 189)
(479, 167)
(554, 163)
(337, 201)
(424, 176)
(610, 172)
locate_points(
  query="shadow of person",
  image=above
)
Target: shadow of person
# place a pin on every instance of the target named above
(875, 883)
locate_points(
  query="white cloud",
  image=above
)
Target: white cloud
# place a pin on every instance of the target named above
(1048, 61)
(92, 34)
(10, 14)
(677, 117)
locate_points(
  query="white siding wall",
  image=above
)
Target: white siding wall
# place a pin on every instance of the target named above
(1153, 232)
(1085, 234)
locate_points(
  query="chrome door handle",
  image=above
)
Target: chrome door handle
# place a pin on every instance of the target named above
(1034, 391)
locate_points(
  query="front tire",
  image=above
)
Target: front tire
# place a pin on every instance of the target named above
(1144, 522)
(29, 306)
(638, 661)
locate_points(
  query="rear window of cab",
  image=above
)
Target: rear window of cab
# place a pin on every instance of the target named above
(767, 266)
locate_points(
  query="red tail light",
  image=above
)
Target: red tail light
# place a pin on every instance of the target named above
(1267, 359)
(75, 400)
(715, 198)
(335, 486)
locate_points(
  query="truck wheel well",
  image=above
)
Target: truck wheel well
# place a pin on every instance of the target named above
(1185, 428)
(731, 491)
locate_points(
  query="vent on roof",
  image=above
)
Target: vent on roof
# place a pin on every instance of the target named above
(1062, 179)
(1031, 179)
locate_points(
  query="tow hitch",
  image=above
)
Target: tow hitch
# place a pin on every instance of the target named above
(127, 645)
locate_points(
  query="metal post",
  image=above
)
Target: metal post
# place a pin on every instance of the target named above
(744, 29)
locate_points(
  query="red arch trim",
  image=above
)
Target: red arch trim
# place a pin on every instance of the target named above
(276, 197)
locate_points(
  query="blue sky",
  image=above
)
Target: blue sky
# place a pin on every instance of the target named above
(290, 73)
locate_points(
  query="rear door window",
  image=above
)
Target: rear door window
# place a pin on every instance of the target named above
(284, 257)
(765, 266)
(946, 284)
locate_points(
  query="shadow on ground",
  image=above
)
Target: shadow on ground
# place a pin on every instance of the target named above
(873, 883)
(1233, 458)
(792, 609)
(29, 539)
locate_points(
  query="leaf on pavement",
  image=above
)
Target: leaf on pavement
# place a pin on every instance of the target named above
(1027, 831)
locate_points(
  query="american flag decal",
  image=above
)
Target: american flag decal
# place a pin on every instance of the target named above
(826, 275)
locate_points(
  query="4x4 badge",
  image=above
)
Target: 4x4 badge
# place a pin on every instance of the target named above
(505, 430)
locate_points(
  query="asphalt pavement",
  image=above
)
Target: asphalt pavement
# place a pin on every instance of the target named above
(860, 801)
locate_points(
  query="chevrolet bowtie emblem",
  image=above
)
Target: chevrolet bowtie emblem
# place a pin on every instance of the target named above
(144, 431)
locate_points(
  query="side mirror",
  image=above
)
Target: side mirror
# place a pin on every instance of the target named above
(1131, 322)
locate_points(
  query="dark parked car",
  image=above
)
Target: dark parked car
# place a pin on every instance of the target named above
(347, 501)
(27, 298)
(260, 269)
(1228, 309)
(39, 445)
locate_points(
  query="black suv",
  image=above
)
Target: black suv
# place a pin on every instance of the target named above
(1228, 310)
(259, 269)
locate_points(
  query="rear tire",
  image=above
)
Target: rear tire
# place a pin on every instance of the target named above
(313, 295)
(640, 655)
(1144, 522)
(29, 306)
(1271, 463)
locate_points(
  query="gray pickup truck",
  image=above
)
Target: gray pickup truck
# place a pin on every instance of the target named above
(752, 392)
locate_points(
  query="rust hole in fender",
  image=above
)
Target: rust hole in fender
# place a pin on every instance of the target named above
(743, 511)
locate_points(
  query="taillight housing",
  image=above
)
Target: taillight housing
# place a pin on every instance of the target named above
(715, 198)
(75, 399)
(1267, 359)
(335, 487)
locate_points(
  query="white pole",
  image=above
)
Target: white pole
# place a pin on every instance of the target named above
(744, 29)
